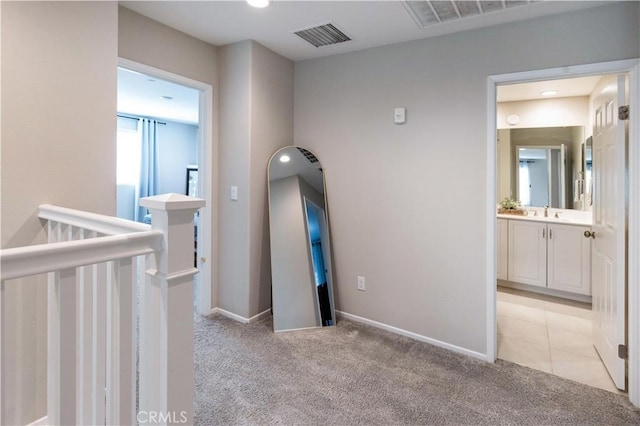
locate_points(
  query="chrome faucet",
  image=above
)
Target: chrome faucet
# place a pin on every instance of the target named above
(546, 211)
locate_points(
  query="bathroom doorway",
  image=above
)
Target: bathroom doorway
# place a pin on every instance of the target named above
(497, 298)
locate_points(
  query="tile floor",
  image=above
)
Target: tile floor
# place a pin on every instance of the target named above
(549, 334)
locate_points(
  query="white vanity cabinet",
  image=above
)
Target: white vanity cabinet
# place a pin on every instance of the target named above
(502, 243)
(528, 252)
(569, 258)
(550, 255)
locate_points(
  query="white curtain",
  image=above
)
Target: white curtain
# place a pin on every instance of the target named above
(148, 164)
(524, 184)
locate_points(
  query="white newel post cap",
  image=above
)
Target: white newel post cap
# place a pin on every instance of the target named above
(172, 214)
(172, 201)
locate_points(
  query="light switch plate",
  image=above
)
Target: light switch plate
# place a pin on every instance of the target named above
(234, 193)
(399, 115)
(361, 283)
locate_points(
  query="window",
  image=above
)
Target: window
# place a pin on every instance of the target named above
(128, 152)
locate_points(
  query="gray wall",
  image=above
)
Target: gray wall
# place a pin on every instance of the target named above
(407, 202)
(235, 138)
(271, 129)
(178, 148)
(256, 118)
(503, 165)
(151, 43)
(58, 127)
(295, 302)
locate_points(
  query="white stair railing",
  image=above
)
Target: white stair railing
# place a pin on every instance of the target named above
(93, 263)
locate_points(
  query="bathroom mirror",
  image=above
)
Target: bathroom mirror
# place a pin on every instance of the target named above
(301, 264)
(541, 176)
(542, 166)
(587, 147)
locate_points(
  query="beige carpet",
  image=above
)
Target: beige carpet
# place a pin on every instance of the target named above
(354, 374)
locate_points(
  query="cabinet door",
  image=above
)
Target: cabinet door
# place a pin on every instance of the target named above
(528, 252)
(502, 247)
(569, 253)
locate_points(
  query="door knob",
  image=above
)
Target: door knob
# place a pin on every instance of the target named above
(589, 234)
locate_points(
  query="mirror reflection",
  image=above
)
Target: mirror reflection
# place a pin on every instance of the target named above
(586, 167)
(542, 176)
(544, 167)
(301, 278)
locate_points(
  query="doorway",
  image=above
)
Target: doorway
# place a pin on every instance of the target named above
(192, 127)
(317, 234)
(630, 67)
(538, 325)
(157, 142)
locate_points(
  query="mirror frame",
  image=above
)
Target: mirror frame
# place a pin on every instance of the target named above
(276, 269)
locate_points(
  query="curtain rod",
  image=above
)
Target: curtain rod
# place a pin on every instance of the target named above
(133, 117)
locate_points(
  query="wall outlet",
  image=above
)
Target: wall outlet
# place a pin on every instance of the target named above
(360, 283)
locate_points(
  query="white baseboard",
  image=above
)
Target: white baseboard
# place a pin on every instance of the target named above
(40, 422)
(545, 291)
(296, 329)
(414, 336)
(259, 316)
(240, 318)
(210, 312)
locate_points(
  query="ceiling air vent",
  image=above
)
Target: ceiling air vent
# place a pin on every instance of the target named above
(431, 12)
(312, 158)
(323, 35)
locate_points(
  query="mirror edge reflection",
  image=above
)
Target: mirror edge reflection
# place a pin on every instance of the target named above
(282, 281)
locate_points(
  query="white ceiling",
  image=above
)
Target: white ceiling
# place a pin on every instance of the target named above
(368, 23)
(568, 87)
(141, 95)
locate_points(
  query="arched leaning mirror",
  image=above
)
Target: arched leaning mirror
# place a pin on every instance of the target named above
(301, 278)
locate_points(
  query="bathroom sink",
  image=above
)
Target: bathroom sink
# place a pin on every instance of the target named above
(549, 219)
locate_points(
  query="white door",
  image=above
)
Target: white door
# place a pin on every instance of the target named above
(608, 256)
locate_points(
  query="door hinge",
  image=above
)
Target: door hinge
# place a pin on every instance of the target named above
(623, 352)
(623, 112)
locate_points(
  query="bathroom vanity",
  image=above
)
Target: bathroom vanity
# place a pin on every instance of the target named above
(550, 255)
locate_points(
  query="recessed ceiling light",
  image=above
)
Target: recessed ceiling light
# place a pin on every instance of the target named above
(258, 3)
(549, 93)
(285, 158)
(167, 98)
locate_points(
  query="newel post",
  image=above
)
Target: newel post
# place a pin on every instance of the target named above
(166, 314)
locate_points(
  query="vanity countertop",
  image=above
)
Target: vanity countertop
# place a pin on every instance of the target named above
(567, 217)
